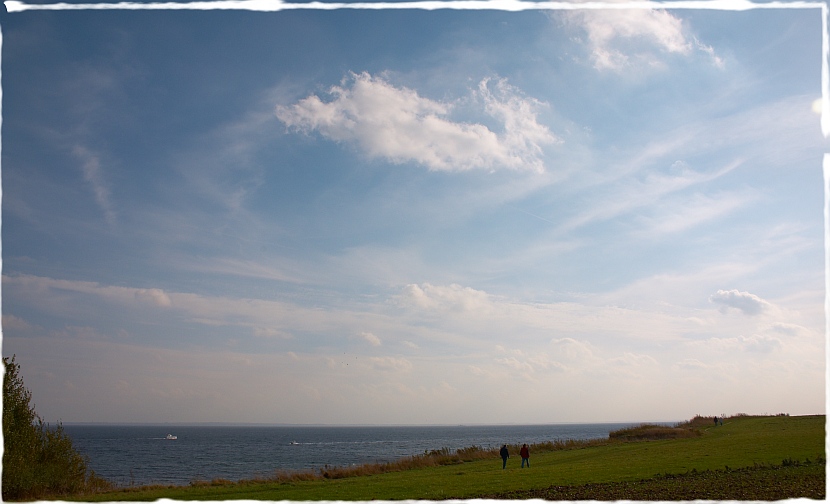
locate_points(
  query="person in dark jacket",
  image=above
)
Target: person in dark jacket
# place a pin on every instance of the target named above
(525, 453)
(504, 456)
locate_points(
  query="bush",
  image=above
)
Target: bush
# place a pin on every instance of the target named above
(653, 432)
(37, 461)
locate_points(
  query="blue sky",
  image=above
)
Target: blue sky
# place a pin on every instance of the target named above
(413, 217)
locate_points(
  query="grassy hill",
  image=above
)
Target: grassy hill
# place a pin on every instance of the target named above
(762, 453)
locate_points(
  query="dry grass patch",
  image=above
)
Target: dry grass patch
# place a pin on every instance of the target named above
(645, 432)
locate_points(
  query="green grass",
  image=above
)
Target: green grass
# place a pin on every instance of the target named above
(741, 442)
(757, 483)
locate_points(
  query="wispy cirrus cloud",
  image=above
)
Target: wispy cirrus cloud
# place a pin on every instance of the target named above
(93, 174)
(695, 210)
(397, 124)
(637, 194)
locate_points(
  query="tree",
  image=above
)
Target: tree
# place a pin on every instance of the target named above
(37, 460)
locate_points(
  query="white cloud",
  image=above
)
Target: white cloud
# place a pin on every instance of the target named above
(691, 364)
(154, 296)
(630, 365)
(244, 268)
(390, 364)
(270, 332)
(790, 329)
(475, 316)
(476, 370)
(370, 338)
(572, 351)
(398, 125)
(11, 322)
(749, 304)
(43, 286)
(527, 363)
(523, 135)
(626, 38)
(265, 318)
(452, 297)
(518, 365)
(758, 343)
(633, 360)
(716, 60)
(453, 316)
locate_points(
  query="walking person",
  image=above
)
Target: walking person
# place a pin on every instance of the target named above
(525, 453)
(504, 456)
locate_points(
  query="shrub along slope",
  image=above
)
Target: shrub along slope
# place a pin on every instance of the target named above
(745, 458)
(38, 461)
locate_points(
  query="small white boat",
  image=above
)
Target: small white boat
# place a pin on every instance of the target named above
(294, 443)
(171, 437)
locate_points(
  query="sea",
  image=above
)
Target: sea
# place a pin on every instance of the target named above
(135, 455)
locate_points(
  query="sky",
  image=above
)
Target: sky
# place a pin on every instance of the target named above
(409, 216)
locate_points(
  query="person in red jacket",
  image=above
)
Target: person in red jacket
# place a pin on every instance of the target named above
(525, 453)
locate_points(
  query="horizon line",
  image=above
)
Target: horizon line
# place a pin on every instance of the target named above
(284, 424)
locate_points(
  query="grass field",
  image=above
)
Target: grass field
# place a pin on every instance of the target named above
(746, 452)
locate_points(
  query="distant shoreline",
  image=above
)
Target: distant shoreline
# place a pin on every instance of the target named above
(334, 426)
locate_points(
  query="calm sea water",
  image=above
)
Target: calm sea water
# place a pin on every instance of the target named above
(140, 455)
